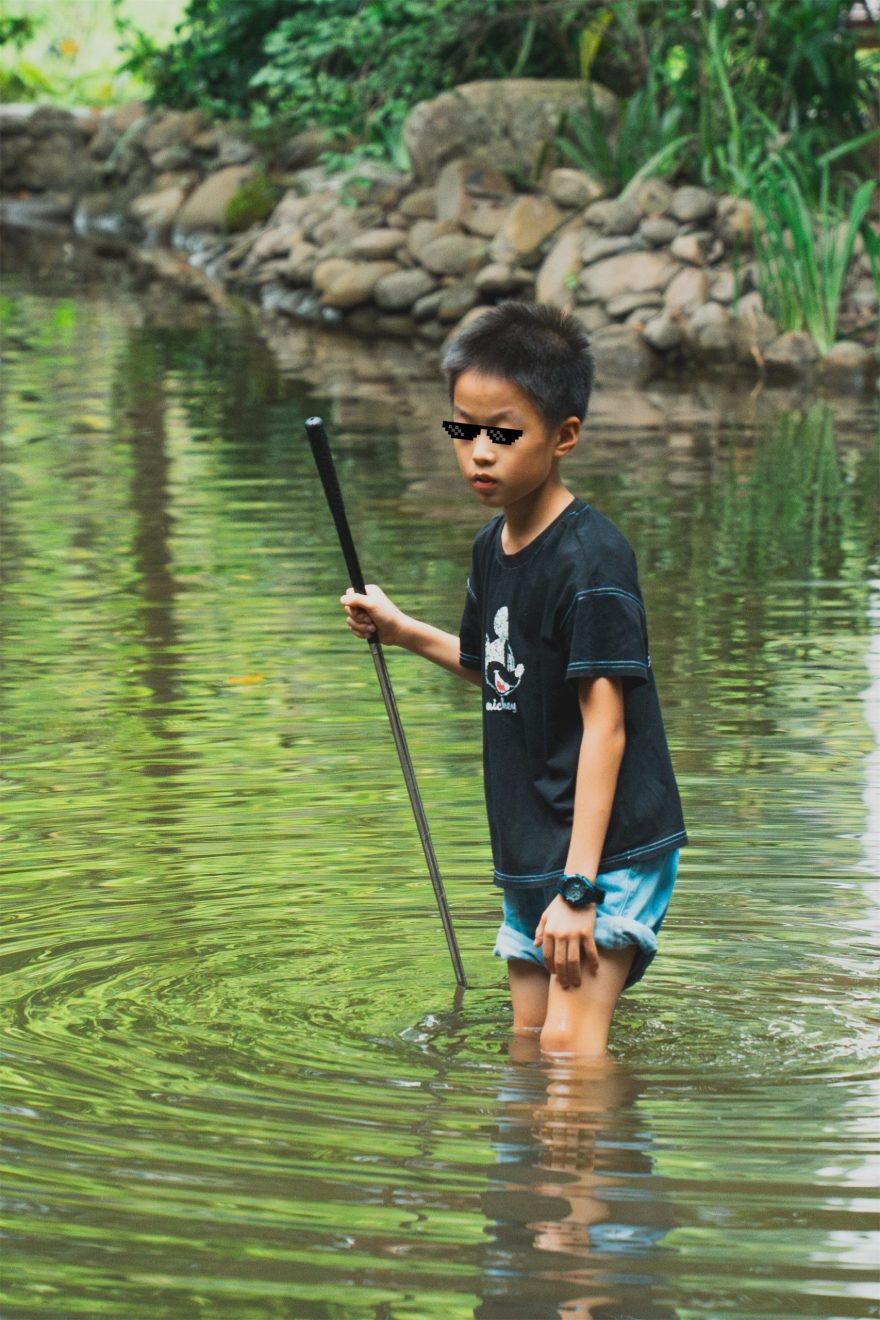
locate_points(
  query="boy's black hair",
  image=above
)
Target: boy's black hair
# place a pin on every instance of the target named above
(540, 349)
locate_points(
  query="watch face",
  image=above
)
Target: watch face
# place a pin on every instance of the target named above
(574, 890)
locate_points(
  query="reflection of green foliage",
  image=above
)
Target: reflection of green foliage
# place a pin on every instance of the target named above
(791, 507)
(65, 313)
(254, 201)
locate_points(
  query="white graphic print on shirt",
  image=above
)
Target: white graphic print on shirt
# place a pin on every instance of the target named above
(501, 671)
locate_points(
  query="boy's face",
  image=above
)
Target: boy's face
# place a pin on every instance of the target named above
(502, 474)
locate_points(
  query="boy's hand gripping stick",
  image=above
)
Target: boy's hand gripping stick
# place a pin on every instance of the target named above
(327, 472)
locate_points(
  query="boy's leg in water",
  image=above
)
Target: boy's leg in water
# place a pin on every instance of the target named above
(529, 987)
(578, 1019)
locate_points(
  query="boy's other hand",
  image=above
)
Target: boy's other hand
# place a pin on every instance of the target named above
(373, 615)
(566, 933)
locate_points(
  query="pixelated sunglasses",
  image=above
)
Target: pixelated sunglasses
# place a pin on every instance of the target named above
(499, 435)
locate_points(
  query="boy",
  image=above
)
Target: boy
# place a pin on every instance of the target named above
(584, 812)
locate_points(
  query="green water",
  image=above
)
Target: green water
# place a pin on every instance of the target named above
(237, 1079)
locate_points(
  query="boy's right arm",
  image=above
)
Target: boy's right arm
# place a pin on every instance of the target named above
(374, 615)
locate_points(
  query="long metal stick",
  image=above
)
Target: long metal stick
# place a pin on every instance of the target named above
(327, 472)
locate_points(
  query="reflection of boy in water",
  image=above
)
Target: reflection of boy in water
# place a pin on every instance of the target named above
(576, 1212)
(583, 807)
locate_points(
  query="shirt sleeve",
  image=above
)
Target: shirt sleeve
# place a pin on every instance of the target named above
(469, 638)
(605, 633)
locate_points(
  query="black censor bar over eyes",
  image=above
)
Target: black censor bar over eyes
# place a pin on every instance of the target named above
(499, 435)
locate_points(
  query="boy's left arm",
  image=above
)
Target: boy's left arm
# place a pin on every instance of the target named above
(564, 930)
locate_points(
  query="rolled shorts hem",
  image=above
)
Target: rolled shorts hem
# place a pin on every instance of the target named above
(645, 888)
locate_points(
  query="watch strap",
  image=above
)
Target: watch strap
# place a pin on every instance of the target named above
(595, 892)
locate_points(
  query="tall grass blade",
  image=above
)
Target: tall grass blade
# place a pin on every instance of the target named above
(803, 258)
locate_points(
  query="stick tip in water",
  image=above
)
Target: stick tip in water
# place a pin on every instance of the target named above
(314, 421)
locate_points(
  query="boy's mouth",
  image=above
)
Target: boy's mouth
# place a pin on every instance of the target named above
(482, 482)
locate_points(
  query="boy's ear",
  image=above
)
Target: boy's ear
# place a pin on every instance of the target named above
(567, 436)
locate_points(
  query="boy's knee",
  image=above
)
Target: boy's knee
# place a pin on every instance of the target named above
(588, 1043)
(557, 1039)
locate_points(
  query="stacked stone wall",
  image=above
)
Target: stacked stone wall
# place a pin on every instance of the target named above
(662, 277)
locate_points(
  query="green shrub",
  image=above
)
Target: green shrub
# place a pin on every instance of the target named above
(733, 80)
(350, 65)
(646, 139)
(742, 80)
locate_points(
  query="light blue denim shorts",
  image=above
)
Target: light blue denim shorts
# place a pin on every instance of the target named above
(636, 900)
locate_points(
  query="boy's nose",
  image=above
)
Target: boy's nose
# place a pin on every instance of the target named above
(483, 446)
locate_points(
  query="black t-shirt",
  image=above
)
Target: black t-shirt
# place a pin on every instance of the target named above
(567, 606)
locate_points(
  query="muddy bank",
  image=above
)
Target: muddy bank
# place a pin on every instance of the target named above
(663, 278)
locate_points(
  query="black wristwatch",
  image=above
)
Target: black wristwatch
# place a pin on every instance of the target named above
(579, 891)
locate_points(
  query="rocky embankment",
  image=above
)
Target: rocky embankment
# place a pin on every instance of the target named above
(662, 277)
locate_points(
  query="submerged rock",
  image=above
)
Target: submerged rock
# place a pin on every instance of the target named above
(621, 352)
(793, 351)
(663, 332)
(847, 358)
(711, 331)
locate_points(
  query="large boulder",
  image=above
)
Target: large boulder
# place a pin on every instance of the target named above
(463, 185)
(687, 290)
(377, 244)
(206, 207)
(690, 204)
(573, 188)
(630, 272)
(495, 278)
(398, 291)
(526, 224)
(354, 283)
(557, 278)
(711, 331)
(452, 254)
(506, 122)
(155, 211)
(44, 150)
(170, 128)
(301, 264)
(113, 124)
